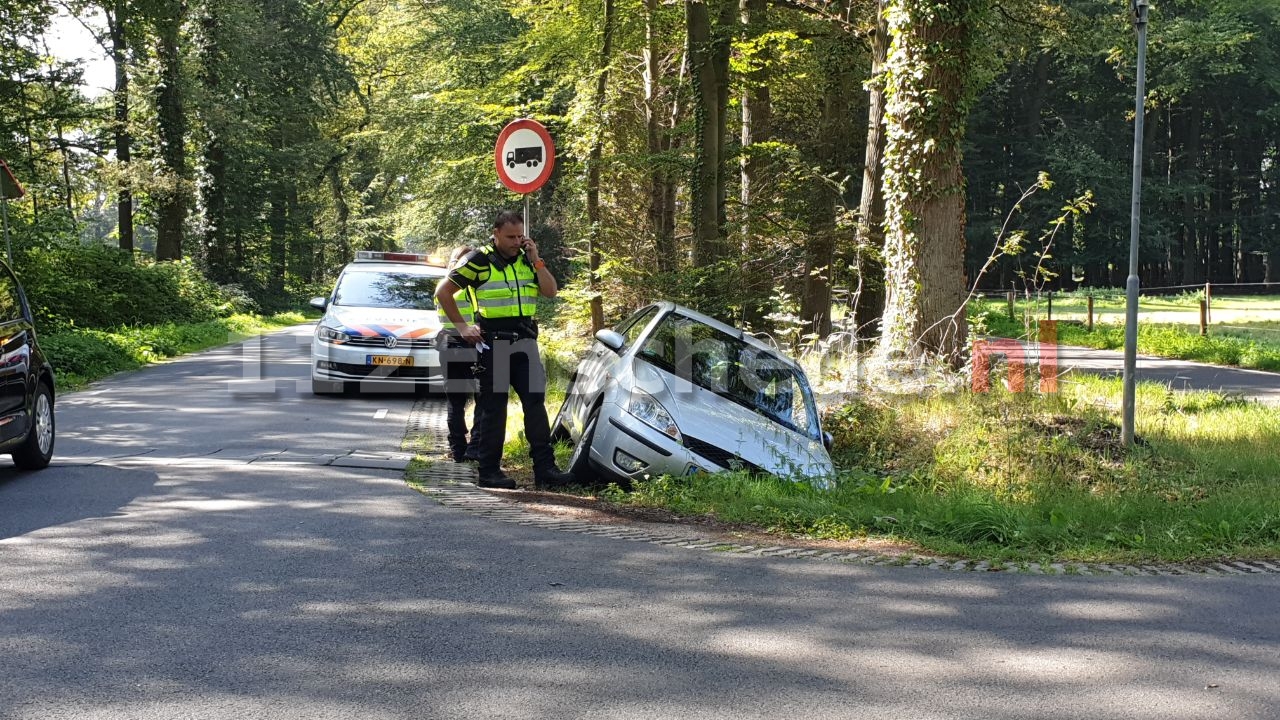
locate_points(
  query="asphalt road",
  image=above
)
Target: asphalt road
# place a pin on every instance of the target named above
(198, 553)
(1177, 374)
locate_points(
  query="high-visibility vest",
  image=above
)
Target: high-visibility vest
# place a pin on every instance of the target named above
(465, 308)
(507, 292)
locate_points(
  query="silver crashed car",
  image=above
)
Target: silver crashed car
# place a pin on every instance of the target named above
(671, 391)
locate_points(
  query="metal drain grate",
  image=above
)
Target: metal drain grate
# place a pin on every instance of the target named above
(452, 485)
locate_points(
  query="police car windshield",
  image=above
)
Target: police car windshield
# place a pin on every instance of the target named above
(406, 291)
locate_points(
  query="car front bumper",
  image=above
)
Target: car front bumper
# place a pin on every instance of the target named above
(347, 363)
(628, 449)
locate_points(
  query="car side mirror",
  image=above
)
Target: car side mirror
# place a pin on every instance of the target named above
(828, 440)
(611, 339)
(320, 303)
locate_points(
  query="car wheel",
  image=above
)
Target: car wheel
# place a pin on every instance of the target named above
(326, 387)
(37, 450)
(560, 428)
(580, 460)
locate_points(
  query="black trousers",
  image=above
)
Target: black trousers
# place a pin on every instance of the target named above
(457, 358)
(505, 366)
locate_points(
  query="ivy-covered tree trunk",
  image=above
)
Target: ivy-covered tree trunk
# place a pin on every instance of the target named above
(929, 85)
(172, 126)
(709, 58)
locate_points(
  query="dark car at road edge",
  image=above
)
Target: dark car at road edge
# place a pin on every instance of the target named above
(26, 381)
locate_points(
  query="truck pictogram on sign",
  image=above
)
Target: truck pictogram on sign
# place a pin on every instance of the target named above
(527, 156)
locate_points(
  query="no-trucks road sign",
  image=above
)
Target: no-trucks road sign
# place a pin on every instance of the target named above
(524, 156)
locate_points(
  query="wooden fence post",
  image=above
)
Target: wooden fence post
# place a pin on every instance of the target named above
(1204, 318)
(1009, 298)
(1208, 302)
(1089, 322)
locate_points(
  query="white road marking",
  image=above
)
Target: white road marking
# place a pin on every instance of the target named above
(380, 414)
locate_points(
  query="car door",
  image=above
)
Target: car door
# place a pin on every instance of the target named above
(15, 358)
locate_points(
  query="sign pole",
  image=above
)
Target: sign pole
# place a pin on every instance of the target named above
(527, 227)
(1135, 221)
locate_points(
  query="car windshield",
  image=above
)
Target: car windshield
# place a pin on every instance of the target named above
(751, 377)
(408, 291)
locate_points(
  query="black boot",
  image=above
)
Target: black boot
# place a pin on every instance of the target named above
(496, 480)
(458, 448)
(549, 476)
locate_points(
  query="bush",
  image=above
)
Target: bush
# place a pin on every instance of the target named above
(99, 287)
(89, 354)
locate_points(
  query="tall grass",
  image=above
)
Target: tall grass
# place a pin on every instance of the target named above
(1024, 478)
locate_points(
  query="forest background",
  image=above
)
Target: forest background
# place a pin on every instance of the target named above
(786, 164)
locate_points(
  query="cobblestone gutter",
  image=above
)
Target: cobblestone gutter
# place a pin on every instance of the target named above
(453, 485)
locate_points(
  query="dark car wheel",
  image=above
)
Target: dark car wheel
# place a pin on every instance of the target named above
(37, 450)
(580, 461)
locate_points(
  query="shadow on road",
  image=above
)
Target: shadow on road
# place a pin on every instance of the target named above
(277, 598)
(33, 500)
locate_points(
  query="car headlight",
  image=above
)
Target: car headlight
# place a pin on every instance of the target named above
(330, 335)
(651, 413)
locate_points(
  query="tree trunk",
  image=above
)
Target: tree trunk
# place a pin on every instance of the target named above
(709, 58)
(657, 144)
(1191, 263)
(213, 182)
(172, 126)
(836, 149)
(927, 95)
(278, 253)
(870, 234)
(594, 159)
(66, 174)
(757, 111)
(123, 141)
(342, 211)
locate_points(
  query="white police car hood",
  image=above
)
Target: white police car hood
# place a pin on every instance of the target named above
(384, 322)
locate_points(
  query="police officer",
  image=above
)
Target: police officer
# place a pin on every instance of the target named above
(457, 358)
(506, 278)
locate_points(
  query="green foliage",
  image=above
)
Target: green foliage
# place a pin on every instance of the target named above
(81, 355)
(100, 287)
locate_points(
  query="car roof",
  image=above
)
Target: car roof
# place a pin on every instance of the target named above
(731, 331)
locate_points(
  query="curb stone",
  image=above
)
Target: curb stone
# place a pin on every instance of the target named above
(453, 486)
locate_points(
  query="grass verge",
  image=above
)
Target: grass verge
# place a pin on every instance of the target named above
(1012, 478)
(81, 356)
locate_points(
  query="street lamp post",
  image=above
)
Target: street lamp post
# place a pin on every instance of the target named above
(1135, 222)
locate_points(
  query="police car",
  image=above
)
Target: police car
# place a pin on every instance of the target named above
(379, 325)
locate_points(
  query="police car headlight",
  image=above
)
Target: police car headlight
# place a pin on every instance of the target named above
(330, 335)
(649, 411)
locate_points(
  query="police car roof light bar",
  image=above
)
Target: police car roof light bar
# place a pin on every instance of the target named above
(379, 256)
